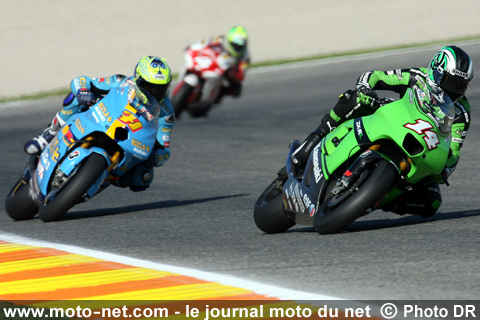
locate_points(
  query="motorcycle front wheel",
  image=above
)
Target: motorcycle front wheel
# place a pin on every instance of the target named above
(18, 204)
(334, 215)
(180, 99)
(73, 191)
(269, 215)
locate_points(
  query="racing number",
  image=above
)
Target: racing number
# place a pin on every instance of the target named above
(129, 118)
(422, 127)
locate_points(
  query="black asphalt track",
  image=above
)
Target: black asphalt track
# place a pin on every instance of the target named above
(198, 212)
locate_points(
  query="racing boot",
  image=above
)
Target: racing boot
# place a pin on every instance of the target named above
(422, 199)
(38, 143)
(300, 156)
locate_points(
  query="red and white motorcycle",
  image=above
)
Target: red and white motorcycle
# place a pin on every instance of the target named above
(209, 74)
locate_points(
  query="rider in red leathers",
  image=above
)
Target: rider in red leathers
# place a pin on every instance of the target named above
(217, 66)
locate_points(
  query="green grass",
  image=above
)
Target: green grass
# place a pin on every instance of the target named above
(36, 96)
(65, 91)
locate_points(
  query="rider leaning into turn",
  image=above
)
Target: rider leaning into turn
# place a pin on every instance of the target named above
(234, 56)
(151, 74)
(451, 69)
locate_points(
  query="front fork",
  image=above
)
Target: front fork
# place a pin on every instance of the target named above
(114, 161)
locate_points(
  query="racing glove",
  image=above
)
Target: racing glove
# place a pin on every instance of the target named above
(366, 96)
(85, 97)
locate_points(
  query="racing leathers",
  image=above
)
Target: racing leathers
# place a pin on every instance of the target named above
(211, 62)
(423, 198)
(84, 93)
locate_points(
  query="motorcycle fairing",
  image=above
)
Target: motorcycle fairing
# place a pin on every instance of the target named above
(113, 116)
(340, 148)
(300, 197)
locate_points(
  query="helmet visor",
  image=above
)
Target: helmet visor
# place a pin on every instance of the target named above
(239, 48)
(235, 49)
(159, 91)
(454, 84)
(149, 108)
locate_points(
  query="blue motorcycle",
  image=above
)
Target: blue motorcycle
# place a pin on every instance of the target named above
(93, 150)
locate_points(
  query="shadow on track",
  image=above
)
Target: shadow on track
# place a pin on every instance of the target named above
(409, 220)
(402, 221)
(141, 207)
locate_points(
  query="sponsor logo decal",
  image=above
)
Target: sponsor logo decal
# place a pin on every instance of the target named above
(317, 171)
(311, 210)
(298, 195)
(410, 95)
(460, 73)
(358, 127)
(80, 126)
(73, 155)
(139, 151)
(140, 145)
(40, 170)
(104, 111)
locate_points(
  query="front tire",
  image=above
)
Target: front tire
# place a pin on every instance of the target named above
(269, 215)
(73, 191)
(335, 218)
(180, 99)
(18, 204)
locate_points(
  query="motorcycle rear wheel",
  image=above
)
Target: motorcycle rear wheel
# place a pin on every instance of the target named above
(18, 204)
(269, 215)
(335, 218)
(73, 191)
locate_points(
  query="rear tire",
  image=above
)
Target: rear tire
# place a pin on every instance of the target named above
(333, 219)
(18, 204)
(73, 191)
(269, 215)
(180, 99)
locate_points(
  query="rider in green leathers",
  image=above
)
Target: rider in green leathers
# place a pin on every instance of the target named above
(451, 69)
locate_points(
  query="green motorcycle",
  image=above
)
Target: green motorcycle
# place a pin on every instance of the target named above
(362, 165)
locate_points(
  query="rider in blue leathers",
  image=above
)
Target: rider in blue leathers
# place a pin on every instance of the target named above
(151, 74)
